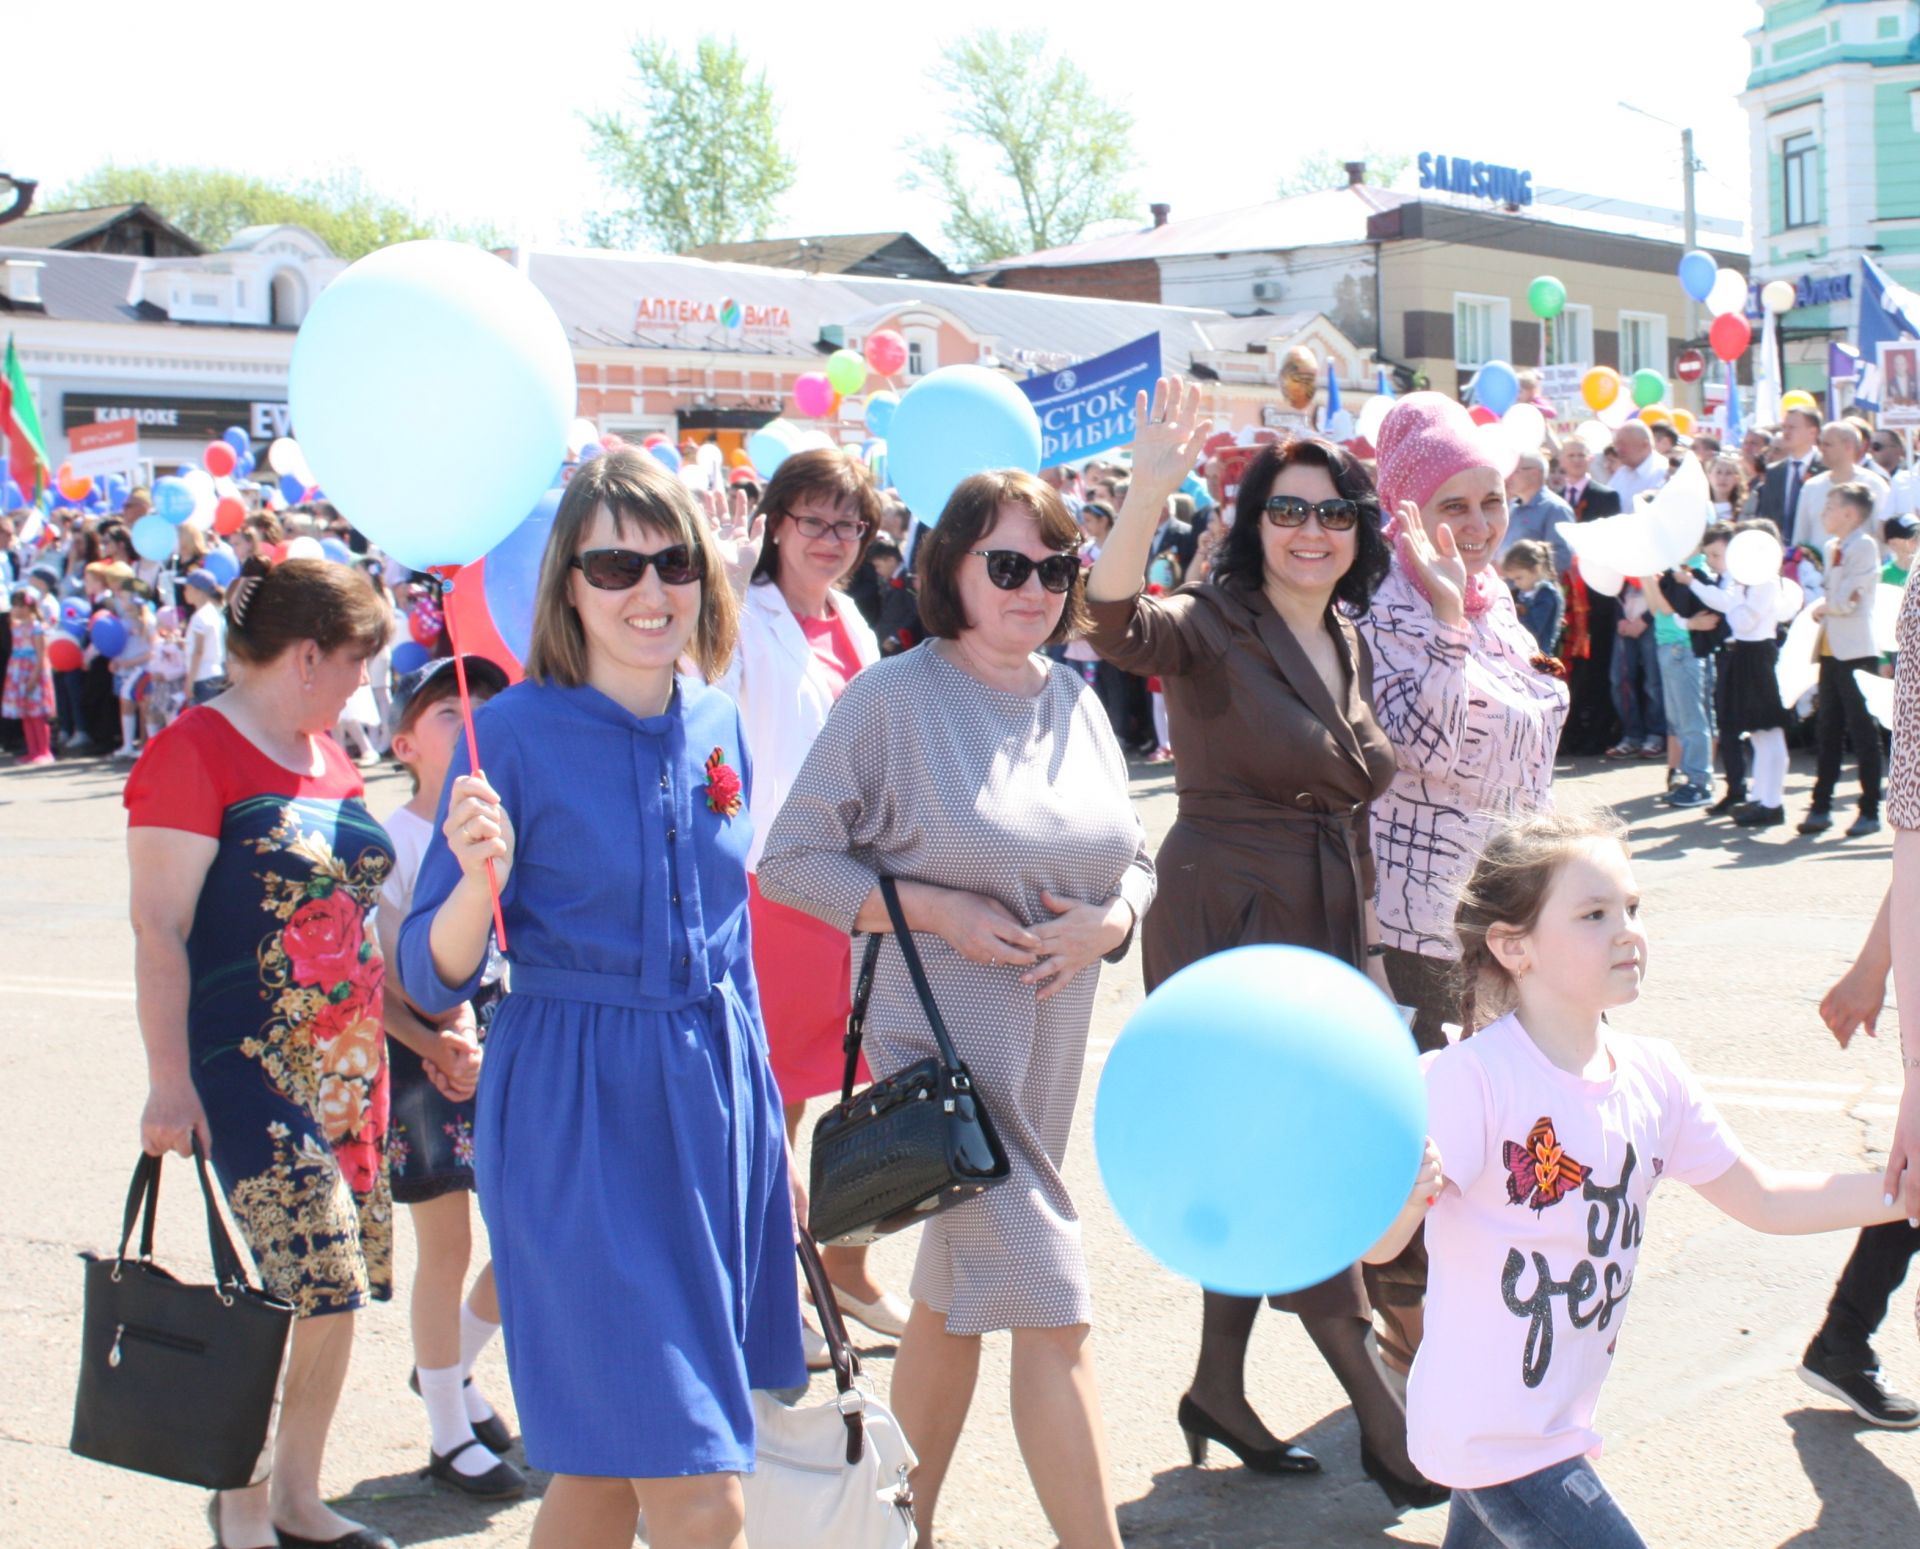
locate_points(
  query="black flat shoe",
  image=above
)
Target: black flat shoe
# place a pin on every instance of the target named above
(1402, 1494)
(1201, 1428)
(359, 1538)
(1867, 823)
(1817, 821)
(1753, 815)
(1727, 804)
(502, 1482)
(493, 1433)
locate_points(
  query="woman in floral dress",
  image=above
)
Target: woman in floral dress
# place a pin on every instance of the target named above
(28, 697)
(254, 866)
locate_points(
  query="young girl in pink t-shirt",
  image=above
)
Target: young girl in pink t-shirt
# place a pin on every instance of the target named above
(1548, 1132)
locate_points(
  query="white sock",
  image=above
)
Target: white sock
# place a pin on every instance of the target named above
(447, 1419)
(475, 1332)
(129, 737)
(1769, 766)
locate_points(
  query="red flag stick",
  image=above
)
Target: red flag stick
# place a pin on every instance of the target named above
(444, 575)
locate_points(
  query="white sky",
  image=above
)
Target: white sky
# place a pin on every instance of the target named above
(474, 112)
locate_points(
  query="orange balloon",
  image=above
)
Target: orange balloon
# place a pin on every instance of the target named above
(738, 458)
(1684, 422)
(1600, 387)
(75, 486)
(1655, 415)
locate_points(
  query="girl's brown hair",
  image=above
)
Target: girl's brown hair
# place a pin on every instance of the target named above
(271, 608)
(1507, 890)
(826, 473)
(639, 492)
(971, 511)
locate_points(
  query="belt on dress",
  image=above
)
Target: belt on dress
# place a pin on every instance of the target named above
(627, 990)
(1337, 856)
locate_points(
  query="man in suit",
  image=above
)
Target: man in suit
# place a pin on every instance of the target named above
(1175, 538)
(1780, 491)
(1592, 618)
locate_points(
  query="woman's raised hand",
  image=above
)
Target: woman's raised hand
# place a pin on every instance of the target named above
(1438, 563)
(738, 533)
(1166, 440)
(478, 830)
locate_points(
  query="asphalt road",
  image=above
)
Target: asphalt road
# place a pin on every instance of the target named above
(1711, 1439)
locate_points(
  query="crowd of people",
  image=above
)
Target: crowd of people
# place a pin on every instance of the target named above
(601, 1008)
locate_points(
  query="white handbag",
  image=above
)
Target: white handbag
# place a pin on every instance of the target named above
(832, 1475)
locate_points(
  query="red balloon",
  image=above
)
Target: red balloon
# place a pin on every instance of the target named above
(1482, 415)
(471, 621)
(424, 623)
(218, 459)
(886, 352)
(1730, 335)
(228, 514)
(63, 654)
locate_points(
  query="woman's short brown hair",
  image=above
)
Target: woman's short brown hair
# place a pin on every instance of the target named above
(639, 492)
(827, 473)
(970, 513)
(271, 608)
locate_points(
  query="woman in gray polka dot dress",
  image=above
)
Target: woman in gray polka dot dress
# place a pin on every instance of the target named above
(987, 779)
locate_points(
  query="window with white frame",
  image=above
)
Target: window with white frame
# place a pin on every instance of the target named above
(1481, 331)
(1570, 337)
(1643, 342)
(923, 348)
(1800, 180)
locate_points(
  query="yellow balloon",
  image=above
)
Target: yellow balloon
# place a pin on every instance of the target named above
(1600, 387)
(1799, 398)
(1655, 415)
(1683, 421)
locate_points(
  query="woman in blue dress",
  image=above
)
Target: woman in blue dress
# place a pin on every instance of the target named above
(632, 1164)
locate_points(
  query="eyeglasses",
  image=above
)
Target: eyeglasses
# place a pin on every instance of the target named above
(819, 527)
(1292, 511)
(618, 570)
(1008, 569)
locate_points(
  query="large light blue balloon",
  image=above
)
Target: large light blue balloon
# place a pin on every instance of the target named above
(959, 421)
(1697, 273)
(771, 445)
(880, 407)
(154, 537)
(443, 346)
(1497, 387)
(513, 576)
(1261, 1119)
(173, 499)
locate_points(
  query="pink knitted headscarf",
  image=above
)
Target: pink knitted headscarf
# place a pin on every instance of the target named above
(1425, 440)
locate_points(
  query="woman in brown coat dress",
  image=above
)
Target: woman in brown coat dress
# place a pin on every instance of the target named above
(1278, 756)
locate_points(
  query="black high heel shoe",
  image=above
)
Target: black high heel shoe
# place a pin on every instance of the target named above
(1201, 1428)
(1402, 1494)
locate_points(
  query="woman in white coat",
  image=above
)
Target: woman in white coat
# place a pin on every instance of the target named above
(802, 640)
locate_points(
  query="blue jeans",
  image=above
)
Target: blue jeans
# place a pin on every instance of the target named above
(1683, 687)
(1563, 1507)
(1636, 687)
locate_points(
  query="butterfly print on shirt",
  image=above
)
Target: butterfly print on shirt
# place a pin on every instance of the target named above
(1540, 1173)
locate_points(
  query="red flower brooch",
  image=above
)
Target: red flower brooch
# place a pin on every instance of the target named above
(723, 786)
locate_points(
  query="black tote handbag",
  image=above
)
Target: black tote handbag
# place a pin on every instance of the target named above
(908, 1147)
(176, 1380)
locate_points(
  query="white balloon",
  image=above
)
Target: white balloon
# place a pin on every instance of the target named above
(1526, 427)
(1754, 557)
(1617, 413)
(1777, 296)
(1729, 293)
(1792, 600)
(1373, 414)
(1596, 437)
(811, 439)
(579, 433)
(283, 456)
(1886, 618)
(1608, 583)
(206, 495)
(1798, 668)
(1878, 693)
(305, 548)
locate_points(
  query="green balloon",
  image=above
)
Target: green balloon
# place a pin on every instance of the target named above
(1649, 387)
(847, 371)
(1546, 296)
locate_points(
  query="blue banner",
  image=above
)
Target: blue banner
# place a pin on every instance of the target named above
(1088, 408)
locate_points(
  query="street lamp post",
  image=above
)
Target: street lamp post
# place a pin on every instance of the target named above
(1689, 218)
(19, 191)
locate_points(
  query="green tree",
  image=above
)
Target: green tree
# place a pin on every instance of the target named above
(1324, 169)
(211, 204)
(702, 163)
(1063, 148)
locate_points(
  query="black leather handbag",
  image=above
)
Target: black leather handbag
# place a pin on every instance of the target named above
(177, 1380)
(908, 1147)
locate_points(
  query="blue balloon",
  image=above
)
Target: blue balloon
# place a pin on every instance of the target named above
(1497, 387)
(880, 408)
(1266, 1063)
(336, 551)
(959, 421)
(444, 339)
(173, 500)
(771, 445)
(117, 490)
(1697, 273)
(108, 634)
(221, 565)
(154, 537)
(668, 456)
(291, 489)
(10, 497)
(183, 470)
(73, 615)
(513, 576)
(409, 656)
(239, 440)
(591, 450)
(244, 465)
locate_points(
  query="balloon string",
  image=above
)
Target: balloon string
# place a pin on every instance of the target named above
(443, 587)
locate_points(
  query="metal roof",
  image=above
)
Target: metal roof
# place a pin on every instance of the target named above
(82, 287)
(817, 255)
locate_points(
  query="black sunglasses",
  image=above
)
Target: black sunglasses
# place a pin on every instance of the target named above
(1008, 569)
(1292, 511)
(617, 570)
